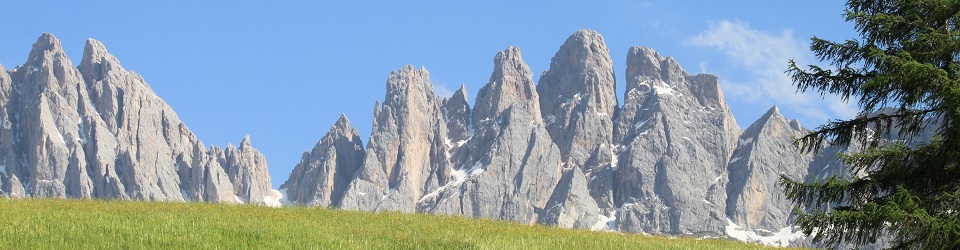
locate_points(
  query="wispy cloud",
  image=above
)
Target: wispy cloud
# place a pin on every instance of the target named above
(442, 91)
(764, 55)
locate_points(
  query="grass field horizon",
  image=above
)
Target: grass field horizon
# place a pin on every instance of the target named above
(82, 224)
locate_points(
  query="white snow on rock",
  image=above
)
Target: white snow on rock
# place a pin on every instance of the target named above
(605, 223)
(276, 198)
(640, 124)
(735, 159)
(781, 238)
(663, 90)
(459, 176)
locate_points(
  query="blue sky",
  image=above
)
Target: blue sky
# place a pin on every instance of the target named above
(284, 71)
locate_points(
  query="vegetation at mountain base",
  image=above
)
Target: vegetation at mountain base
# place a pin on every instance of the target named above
(86, 224)
(909, 189)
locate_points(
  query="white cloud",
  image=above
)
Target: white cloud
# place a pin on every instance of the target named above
(764, 56)
(442, 91)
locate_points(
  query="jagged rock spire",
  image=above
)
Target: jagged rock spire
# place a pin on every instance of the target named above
(324, 173)
(765, 152)
(98, 131)
(406, 150)
(578, 99)
(510, 85)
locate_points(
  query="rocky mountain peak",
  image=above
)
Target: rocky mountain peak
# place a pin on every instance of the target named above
(581, 69)
(407, 84)
(646, 69)
(47, 46)
(49, 66)
(460, 95)
(456, 110)
(245, 143)
(772, 119)
(765, 152)
(100, 132)
(642, 62)
(406, 146)
(706, 88)
(795, 124)
(324, 173)
(510, 85)
(578, 102)
(342, 122)
(97, 61)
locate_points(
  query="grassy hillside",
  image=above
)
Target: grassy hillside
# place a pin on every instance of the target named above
(83, 224)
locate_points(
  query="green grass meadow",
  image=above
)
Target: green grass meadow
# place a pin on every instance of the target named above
(97, 224)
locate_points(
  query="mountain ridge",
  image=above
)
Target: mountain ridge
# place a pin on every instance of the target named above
(97, 130)
(669, 159)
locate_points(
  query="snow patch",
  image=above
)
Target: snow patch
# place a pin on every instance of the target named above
(735, 159)
(605, 223)
(239, 200)
(459, 176)
(742, 142)
(781, 238)
(686, 138)
(276, 198)
(575, 99)
(183, 194)
(551, 119)
(3, 170)
(615, 159)
(663, 90)
(716, 180)
(601, 114)
(449, 144)
(83, 132)
(59, 135)
(476, 169)
(640, 124)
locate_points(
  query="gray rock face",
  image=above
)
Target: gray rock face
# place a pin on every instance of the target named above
(439, 156)
(510, 169)
(671, 160)
(99, 131)
(322, 176)
(247, 169)
(456, 111)
(765, 151)
(406, 153)
(578, 96)
(676, 142)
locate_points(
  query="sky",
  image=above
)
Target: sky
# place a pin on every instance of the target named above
(283, 71)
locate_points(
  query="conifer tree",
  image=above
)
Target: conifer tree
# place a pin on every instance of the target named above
(906, 58)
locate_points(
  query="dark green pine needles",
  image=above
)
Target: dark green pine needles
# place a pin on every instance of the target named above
(906, 58)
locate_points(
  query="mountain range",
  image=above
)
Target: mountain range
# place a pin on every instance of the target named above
(563, 151)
